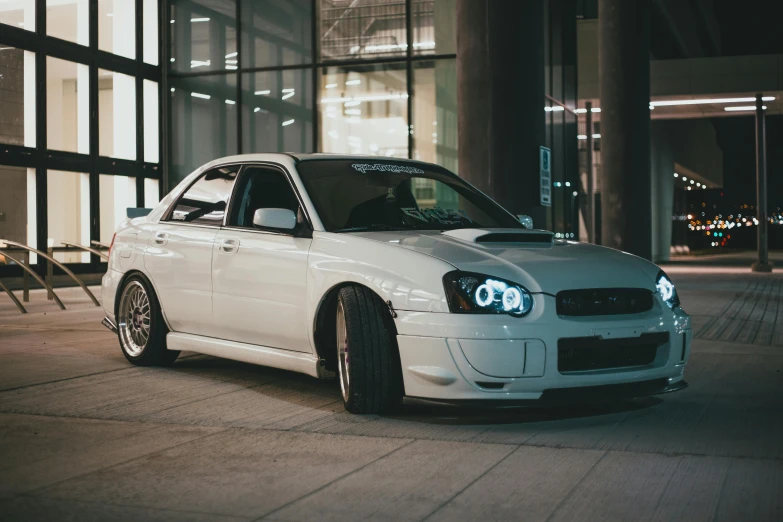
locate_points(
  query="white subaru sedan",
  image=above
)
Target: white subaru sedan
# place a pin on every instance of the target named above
(396, 277)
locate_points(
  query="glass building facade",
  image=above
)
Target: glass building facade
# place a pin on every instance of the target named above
(354, 77)
(107, 104)
(79, 120)
(345, 76)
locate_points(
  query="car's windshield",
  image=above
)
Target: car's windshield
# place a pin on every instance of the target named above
(356, 195)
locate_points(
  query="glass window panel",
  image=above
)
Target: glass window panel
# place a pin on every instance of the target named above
(276, 32)
(261, 188)
(385, 194)
(68, 207)
(364, 110)
(17, 96)
(362, 29)
(117, 27)
(67, 106)
(151, 193)
(18, 13)
(203, 35)
(203, 121)
(116, 115)
(69, 20)
(435, 113)
(18, 204)
(277, 111)
(151, 122)
(151, 31)
(205, 202)
(434, 30)
(117, 193)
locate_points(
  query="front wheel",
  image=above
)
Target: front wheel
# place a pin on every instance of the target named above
(367, 362)
(140, 325)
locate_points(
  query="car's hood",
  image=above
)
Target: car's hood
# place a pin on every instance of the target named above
(549, 266)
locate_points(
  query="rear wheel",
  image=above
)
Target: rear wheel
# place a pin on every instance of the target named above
(140, 325)
(367, 361)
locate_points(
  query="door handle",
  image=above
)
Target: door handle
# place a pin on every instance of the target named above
(229, 246)
(161, 238)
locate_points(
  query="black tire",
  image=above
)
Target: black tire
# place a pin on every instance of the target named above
(374, 376)
(131, 325)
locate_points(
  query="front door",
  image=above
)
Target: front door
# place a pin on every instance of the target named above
(179, 252)
(259, 277)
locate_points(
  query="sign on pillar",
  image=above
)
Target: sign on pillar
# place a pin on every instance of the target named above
(545, 167)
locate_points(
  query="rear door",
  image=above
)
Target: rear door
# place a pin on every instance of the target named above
(260, 276)
(179, 252)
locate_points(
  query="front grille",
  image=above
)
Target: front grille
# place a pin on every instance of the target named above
(577, 354)
(604, 301)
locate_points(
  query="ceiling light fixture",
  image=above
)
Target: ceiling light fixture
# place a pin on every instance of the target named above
(743, 108)
(702, 101)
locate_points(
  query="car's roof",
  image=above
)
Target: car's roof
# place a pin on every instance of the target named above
(297, 157)
(331, 156)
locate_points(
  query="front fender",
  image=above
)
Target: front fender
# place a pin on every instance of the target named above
(410, 280)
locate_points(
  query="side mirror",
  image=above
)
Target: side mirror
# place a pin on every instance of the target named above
(526, 221)
(275, 218)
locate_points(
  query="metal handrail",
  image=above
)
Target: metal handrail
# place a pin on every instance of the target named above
(96, 243)
(36, 277)
(13, 298)
(55, 262)
(88, 249)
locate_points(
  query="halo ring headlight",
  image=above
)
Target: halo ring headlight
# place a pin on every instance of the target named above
(665, 288)
(482, 294)
(512, 298)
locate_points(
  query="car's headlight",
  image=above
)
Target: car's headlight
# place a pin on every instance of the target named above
(666, 290)
(481, 294)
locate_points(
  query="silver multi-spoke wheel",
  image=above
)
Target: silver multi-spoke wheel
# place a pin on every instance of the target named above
(134, 318)
(342, 351)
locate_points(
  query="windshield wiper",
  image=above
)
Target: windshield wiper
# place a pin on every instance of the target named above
(373, 226)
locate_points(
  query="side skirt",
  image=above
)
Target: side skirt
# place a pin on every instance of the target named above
(249, 353)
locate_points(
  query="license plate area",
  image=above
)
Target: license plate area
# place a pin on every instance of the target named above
(581, 354)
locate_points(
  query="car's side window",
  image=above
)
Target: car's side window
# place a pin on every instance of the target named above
(260, 187)
(206, 200)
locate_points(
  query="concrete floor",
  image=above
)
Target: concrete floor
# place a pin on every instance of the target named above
(86, 436)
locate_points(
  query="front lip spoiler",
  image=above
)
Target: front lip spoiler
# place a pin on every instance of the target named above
(578, 395)
(108, 323)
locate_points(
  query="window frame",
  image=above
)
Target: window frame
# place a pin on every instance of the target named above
(303, 229)
(166, 218)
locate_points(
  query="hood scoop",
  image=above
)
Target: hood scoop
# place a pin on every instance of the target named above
(502, 236)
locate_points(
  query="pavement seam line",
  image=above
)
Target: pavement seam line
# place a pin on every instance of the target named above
(680, 462)
(31, 493)
(341, 477)
(720, 492)
(65, 379)
(137, 506)
(458, 493)
(127, 368)
(288, 430)
(573, 488)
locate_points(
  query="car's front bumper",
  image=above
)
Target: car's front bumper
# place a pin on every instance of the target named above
(454, 357)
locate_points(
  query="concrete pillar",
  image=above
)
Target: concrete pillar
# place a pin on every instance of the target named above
(501, 99)
(624, 71)
(762, 264)
(662, 192)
